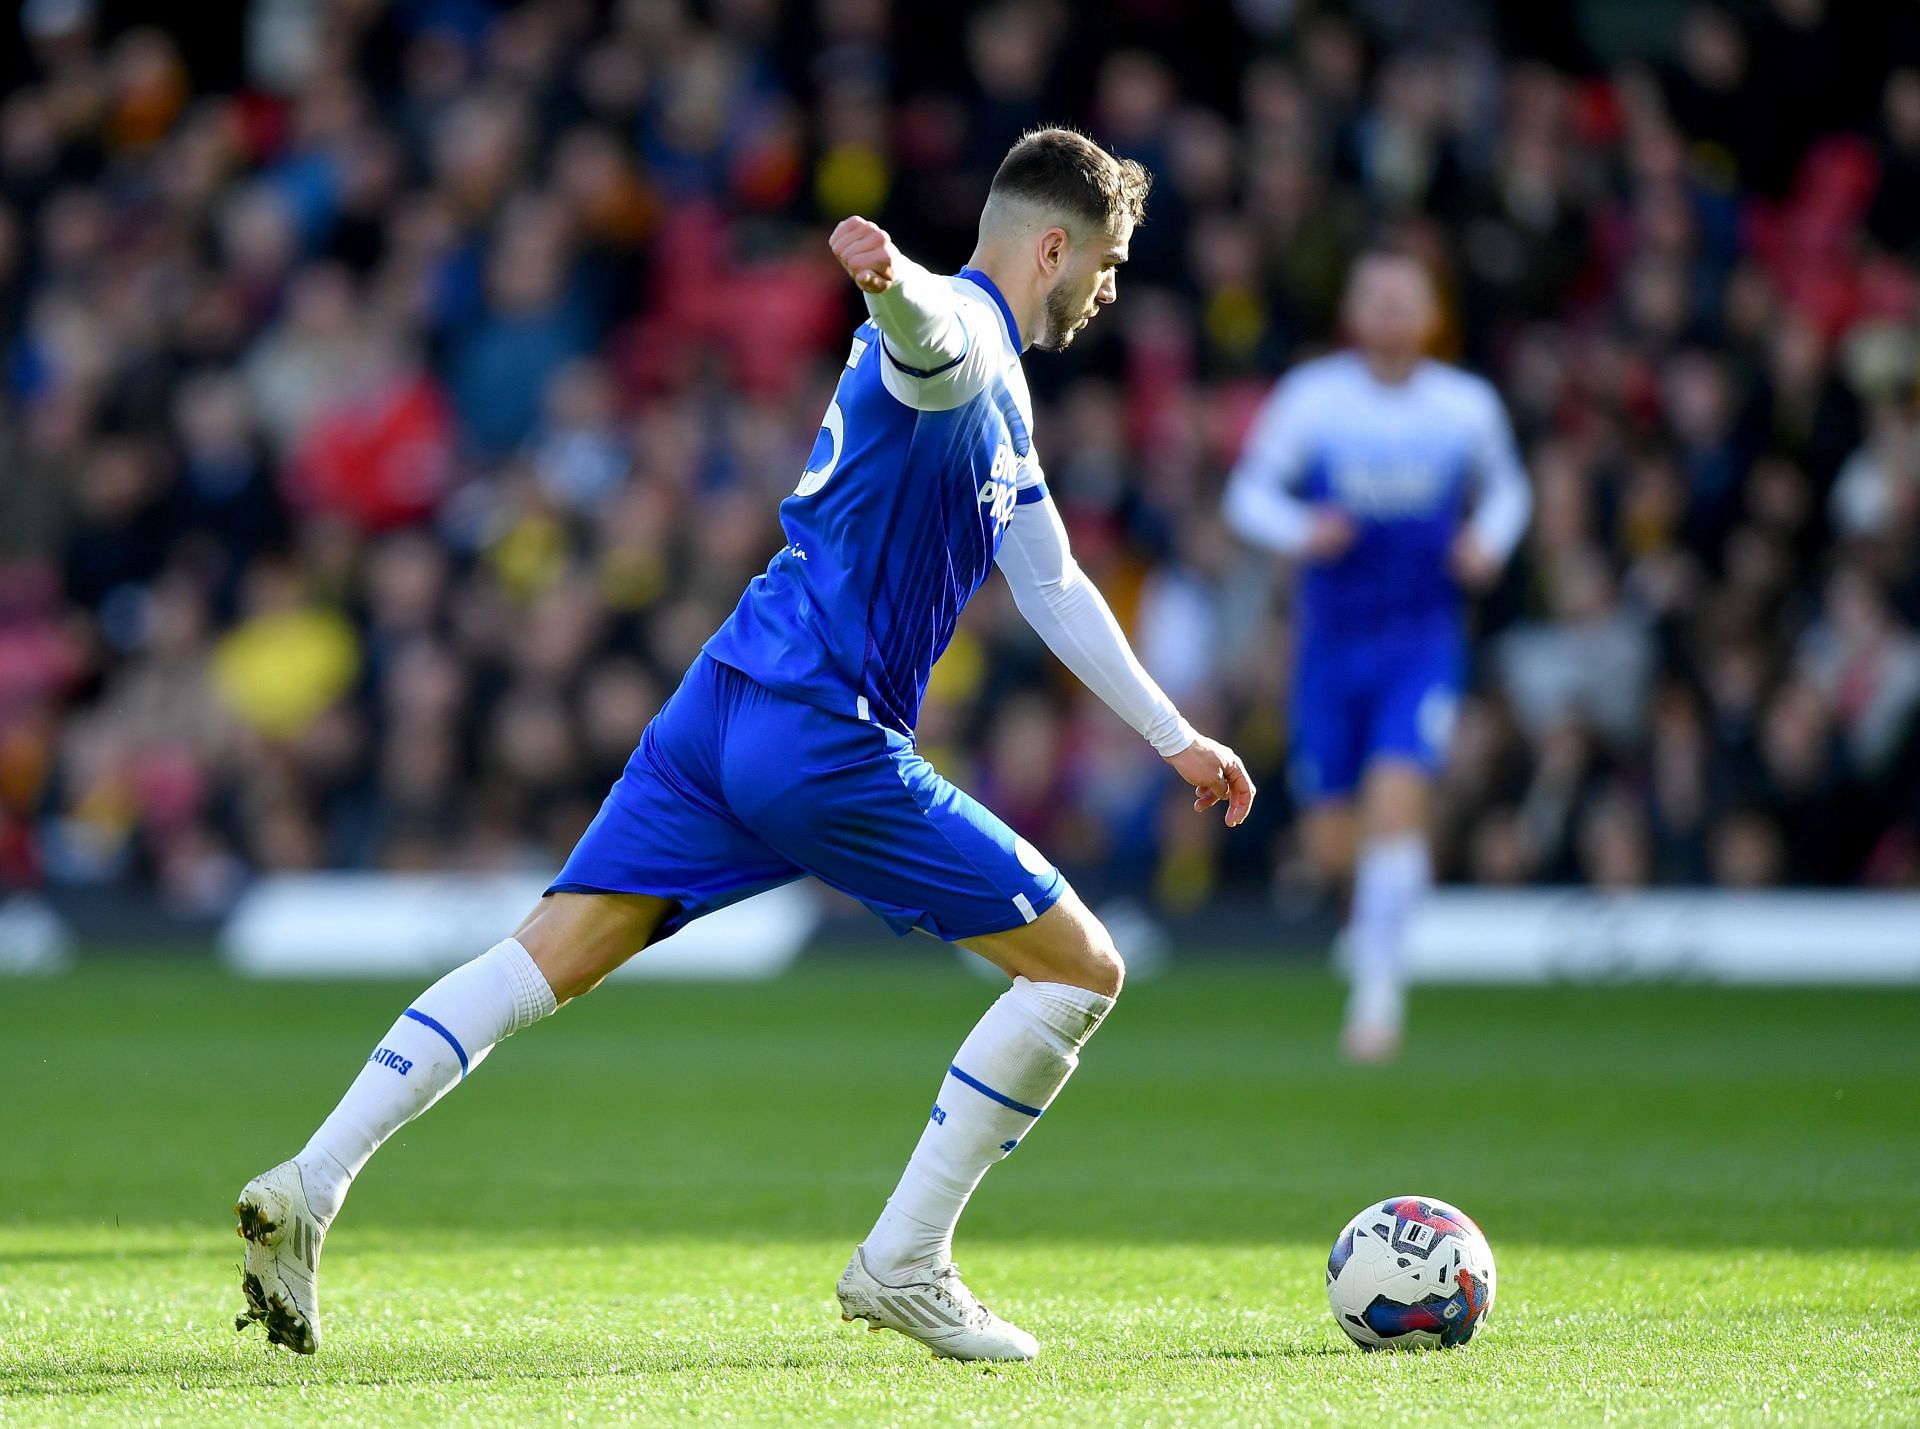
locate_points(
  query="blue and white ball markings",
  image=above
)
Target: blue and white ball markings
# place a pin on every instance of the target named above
(1410, 1273)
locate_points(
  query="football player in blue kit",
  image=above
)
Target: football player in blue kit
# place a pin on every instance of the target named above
(1393, 480)
(788, 750)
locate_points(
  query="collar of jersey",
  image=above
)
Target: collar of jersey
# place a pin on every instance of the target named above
(975, 276)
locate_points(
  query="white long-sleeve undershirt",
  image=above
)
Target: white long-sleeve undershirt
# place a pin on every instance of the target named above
(932, 355)
(1326, 410)
(941, 337)
(919, 316)
(1267, 513)
(1067, 611)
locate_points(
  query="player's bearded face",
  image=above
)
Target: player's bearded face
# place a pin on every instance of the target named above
(1068, 309)
(1086, 281)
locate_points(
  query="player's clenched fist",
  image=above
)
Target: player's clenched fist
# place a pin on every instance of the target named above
(866, 252)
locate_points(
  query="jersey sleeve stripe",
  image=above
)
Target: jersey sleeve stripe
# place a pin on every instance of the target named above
(1027, 495)
(923, 372)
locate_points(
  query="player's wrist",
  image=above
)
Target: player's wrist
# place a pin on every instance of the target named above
(907, 279)
(1175, 739)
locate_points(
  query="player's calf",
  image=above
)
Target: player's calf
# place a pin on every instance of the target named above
(446, 1032)
(1004, 1077)
(1394, 874)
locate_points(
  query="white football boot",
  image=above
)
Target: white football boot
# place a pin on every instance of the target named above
(281, 1273)
(941, 1313)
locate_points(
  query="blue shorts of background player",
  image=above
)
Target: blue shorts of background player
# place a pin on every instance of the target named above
(735, 788)
(1357, 699)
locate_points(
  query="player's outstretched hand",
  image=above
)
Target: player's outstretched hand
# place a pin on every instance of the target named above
(1217, 776)
(866, 252)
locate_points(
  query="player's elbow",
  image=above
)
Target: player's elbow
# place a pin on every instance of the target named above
(1034, 607)
(1038, 597)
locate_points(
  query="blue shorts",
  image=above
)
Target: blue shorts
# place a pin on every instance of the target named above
(735, 789)
(1356, 700)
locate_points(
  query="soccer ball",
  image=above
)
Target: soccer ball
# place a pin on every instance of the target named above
(1410, 1273)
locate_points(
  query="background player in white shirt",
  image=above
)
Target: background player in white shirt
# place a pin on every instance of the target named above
(1394, 481)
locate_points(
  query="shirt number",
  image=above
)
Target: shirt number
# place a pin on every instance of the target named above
(834, 425)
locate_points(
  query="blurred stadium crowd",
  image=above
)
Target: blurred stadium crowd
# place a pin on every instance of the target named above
(386, 425)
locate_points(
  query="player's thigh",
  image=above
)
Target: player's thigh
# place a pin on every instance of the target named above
(1329, 718)
(663, 839)
(1065, 944)
(658, 836)
(576, 939)
(1416, 701)
(857, 807)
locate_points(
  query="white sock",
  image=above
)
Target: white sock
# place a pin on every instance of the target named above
(1011, 1066)
(440, 1039)
(1394, 874)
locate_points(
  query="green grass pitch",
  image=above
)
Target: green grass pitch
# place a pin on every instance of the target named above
(1705, 1204)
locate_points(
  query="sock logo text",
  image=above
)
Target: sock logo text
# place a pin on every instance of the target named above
(388, 1058)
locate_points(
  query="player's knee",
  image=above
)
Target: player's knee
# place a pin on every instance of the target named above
(1328, 836)
(1111, 967)
(576, 940)
(1395, 799)
(1100, 968)
(571, 971)
(1089, 962)
(1067, 945)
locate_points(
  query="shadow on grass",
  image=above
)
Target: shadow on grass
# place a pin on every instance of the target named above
(83, 1256)
(1248, 1357)
(195, 1368)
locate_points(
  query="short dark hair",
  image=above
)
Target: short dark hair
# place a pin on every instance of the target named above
(1066, 172)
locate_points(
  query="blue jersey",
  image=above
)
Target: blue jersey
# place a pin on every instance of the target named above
(895, 523)
(1404, 462)
(1378, 662)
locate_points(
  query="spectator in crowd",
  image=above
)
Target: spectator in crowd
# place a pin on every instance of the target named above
(381, 433)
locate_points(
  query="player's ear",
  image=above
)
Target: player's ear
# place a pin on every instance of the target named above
(1054, 245)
